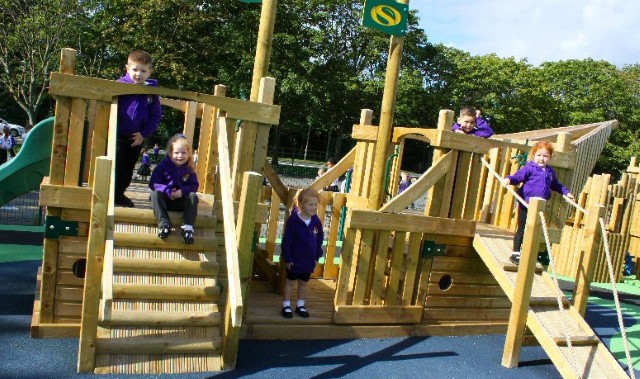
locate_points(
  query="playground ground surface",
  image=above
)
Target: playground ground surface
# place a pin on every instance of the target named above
(440, 357)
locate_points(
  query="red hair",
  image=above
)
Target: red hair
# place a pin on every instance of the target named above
(542, 145)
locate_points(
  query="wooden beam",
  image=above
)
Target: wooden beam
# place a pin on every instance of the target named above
(157, 345)
(101, 89)
(334, 172)
(588, 253)
(378, 314)
(277, 185)
(362, 219)
(165, 292)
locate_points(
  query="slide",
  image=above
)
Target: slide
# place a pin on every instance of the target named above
(25, 171)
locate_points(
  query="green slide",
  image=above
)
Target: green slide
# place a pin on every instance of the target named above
(25, 171)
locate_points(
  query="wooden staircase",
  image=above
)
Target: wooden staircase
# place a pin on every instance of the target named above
(162, 314)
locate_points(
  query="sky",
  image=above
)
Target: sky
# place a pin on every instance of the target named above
(538, 30)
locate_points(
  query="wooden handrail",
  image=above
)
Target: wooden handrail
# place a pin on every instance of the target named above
(335, 172)
(230, 240)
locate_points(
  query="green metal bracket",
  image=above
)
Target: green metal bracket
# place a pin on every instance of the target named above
(54, 227)
(431, 249)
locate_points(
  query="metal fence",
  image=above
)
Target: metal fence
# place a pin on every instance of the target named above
(23, 210)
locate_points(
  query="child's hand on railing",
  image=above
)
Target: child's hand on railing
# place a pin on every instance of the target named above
(505, 182)
(570, 197)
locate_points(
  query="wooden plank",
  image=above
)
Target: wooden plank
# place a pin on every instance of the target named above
(590, 245)
(380, 314)
(163, 318)
(95, 249)
(76, 129)
(160, 345)
(272, 227)
(462, 182)
(189, 127)
(447, 186)
(203, 168)
(411, 268)
(345, 272)
(378, 284)
(330, 268)
(99, 137)
(392, 296)
(265, 96)
(362, 271)
(65, 197)
(100, 89)
(334, 172)
(410, 223)
(165, 292)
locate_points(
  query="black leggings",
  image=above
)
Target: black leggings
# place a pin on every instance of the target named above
(522, 221)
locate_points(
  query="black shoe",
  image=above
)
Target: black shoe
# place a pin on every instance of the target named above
(124, 201)
(286, 312)
(188, 237)
(515, 259)
(164, 231)
(302, 312)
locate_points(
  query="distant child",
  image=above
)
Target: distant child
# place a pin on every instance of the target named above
(405, 182)
(472, 123)
(335, 186)
(145, 166)
(173, 188)
(156, 151)
(321, 172)
(138, 117)
(27, 128)
(6, 144)
(538, 180)
(301, 249)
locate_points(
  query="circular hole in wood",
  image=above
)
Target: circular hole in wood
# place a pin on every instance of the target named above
(445, 282)
(79, 268)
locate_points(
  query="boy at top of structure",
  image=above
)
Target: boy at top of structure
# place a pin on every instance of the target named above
(173, 186)
(538, 180)
(301, 249)
(405, 182)
(138, 117)
(471, 122)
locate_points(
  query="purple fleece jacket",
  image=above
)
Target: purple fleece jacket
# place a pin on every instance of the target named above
(482, 128)
(167, 176)
(302, 244)
(138, 113)
(538, 181)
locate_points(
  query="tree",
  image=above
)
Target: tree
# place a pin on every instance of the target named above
(30, 41)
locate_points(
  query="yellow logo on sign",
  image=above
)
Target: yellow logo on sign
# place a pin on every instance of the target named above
(385, 15)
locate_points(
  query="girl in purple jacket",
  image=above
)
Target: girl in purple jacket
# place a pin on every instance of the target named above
(301, 249)
(538, 179)
(173, 186)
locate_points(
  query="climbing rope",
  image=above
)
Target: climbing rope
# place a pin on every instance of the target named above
(615, 298)
(559, 294)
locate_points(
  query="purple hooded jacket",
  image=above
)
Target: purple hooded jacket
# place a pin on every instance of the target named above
(302, 244)
(538, 182)
(167, 176)
(138, 113)
(482, 128)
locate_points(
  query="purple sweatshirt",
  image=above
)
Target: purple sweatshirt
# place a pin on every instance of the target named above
(167, 176)
(302, 244)
(482, 128)
(538, 182)
(138, 113)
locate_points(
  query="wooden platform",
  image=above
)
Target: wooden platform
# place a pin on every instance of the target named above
(588, 358)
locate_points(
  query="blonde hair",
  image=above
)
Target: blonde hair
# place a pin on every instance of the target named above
(304, 194)
(542, 145)
(181, 139)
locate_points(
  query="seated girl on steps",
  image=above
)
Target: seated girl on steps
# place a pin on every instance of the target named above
(173, 186)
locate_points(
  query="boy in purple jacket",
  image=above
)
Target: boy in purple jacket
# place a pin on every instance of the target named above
(138, 117)
(472, 123)
(301, 249)
(538, 180)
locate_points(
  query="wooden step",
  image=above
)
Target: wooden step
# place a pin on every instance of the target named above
(578, 340)
(165, 266)
(165, 292)
(174, 241)
(146, 216)
(152, 345)
(510, 267)
(162, 318)
(550, 301)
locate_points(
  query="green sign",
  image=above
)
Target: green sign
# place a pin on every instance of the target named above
(250, 1)
(388, 16)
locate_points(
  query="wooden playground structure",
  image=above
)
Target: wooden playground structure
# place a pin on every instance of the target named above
(146, 305)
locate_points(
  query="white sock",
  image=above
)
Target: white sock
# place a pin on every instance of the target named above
(516, 253)
(187, 227)
(300, 303)
(286, 303)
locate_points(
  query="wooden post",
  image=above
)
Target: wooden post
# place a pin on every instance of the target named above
(524, 283)
(386, 119)
(434, 196)
(246, 137)
(95, 258)
(587, 263)
(245, 226)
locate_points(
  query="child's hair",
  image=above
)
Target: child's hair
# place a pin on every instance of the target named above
(542, 145)
(305, 193)
(181, 138)
(468, 111)
(140, 57)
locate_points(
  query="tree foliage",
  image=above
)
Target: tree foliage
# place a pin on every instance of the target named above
(327, 68)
